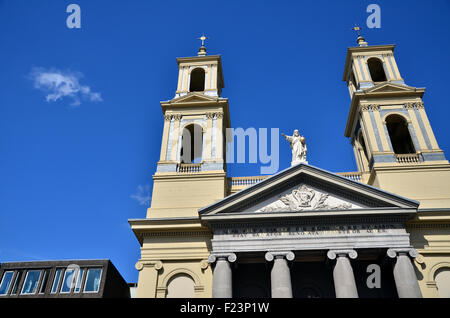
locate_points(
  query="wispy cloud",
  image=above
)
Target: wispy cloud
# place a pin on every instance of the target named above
(143, 195)
(58, 84)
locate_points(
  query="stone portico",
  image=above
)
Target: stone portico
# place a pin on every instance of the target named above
(305, 217)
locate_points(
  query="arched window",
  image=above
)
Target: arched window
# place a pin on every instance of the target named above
(353, 82)
(197, 80)
(192, 144)
(180, 286)
(376, 70)
(442, 278)
(399, 134)
(363, 145)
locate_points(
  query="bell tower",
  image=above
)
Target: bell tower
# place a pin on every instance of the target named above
(190, 174)
(394, 145)
(191, 171)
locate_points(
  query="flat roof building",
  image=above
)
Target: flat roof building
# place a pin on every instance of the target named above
(62, 279)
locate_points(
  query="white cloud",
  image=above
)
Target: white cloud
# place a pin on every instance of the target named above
(143, 195)
(57, 85)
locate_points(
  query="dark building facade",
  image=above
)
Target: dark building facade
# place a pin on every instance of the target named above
(62, 279)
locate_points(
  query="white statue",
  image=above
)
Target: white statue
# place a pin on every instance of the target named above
(298, 147)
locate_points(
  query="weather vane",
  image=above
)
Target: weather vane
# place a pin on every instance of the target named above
(360, 40)
(357, 29)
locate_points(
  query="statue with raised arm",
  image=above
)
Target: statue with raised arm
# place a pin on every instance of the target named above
(298, 146)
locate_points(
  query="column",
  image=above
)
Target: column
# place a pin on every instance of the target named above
(280, 276)
(344, 280)
(175, 136)
(165, 137)
(222, 275)
(219, 136)
(415, 127)
(208, 136)
(369, 132)
(404, 274)
(148, 278)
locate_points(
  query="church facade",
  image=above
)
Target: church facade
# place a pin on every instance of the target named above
(383, 231)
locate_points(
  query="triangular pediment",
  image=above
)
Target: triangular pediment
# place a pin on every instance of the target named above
(306, 189)
(304, 197)
(193, 98)
(389, 87)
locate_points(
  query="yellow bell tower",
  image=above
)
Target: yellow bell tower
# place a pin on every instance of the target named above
(190, 174)
(394, 145)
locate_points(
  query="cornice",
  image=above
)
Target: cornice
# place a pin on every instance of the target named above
(226, 219)
(206, 58)
(365, 49)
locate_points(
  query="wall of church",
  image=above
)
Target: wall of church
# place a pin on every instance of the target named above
(166, 256)
(428, 184)
(431, 238)
(176, 195)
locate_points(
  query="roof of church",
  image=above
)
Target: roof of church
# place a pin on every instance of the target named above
(289, 176)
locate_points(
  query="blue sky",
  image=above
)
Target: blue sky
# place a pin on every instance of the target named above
(73, 166)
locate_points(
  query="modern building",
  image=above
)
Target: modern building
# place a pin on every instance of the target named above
(383, 231)
(62, 279)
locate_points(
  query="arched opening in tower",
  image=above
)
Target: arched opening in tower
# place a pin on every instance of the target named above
(399, 134)
(197, 80)
(376, 70)
(363, 145)
(192, 144)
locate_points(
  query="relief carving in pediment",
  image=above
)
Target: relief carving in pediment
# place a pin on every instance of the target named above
(304, 198)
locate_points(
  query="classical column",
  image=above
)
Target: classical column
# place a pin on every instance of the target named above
(280, 276)
(219, 136)
(222, 275)
(344, 280)
(175, 137)
(148, 278)
(404, 274)
(208, 136)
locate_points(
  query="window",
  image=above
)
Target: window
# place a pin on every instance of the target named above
(197, 80)
(376, 70)
(180, 286)
(68, 279)
(93, 277)
(16, 283)
(399, 134)
(442, 278)
(31, 282)
(363, 145)
(56, 281)
(6, 282)
(192, 144)
(79, 280)
(44, 282)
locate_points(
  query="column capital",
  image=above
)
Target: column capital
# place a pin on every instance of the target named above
(155, 264)
(394, 252)
(332, 254)
(231, 257)
(285, 254)
(210, 115)
(204, 264)
(177, 117)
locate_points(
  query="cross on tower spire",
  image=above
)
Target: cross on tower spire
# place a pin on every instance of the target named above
(202, 50)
